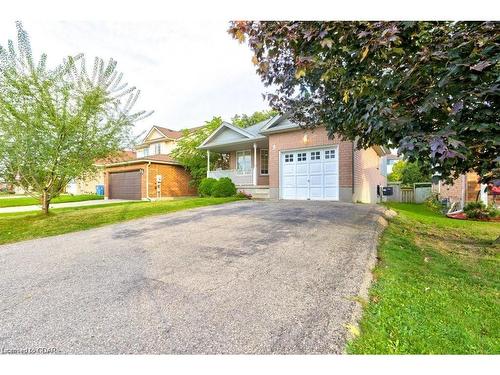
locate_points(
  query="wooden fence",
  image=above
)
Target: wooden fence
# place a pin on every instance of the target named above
(407, 195)
(418, 193)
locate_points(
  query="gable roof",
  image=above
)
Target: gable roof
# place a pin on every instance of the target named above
(240, 134)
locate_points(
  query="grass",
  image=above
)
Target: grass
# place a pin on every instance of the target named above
(436, 289)
(23, 226)
(28, 201)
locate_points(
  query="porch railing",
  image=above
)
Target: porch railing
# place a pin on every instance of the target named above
(239, 178)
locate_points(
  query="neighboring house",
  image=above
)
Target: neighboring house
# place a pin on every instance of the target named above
(465, 188)
(390, 160)
(89, 185)
(153, 174)
(278, 159)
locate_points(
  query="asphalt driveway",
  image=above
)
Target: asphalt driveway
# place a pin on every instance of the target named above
(245, 277)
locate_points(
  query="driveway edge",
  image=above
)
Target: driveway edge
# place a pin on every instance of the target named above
(363, 294)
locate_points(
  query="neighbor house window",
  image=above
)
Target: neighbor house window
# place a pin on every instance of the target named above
(243, 162)
(264, 162)
(157, 148)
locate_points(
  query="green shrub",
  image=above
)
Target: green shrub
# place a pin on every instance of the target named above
(478, 210)
(224, 187)
(206, 186)
(433, 202)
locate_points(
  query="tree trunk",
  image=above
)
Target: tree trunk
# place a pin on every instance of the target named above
(45, 202)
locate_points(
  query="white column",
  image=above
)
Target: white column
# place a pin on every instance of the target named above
(255, 164)
(208, 163)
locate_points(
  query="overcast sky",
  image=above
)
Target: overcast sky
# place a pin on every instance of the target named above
(187, 71)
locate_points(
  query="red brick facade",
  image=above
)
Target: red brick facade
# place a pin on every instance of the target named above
(175, 179)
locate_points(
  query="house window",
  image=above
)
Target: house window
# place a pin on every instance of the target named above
(146, 151)
(288, 158)
(243, 162)
(302, 156)
(157, 147)
(264, 162)
(315, 155)
(330, 154)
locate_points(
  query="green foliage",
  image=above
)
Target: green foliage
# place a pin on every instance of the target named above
(55, 122)
(478, 210)
(433, 203)
(224, 187)
(245, 121)
(429, 88)
(436, 287)
(194, 159)
(206, 186)
(408, 173)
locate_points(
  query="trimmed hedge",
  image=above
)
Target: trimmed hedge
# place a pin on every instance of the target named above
(206, 186)
(224, 187)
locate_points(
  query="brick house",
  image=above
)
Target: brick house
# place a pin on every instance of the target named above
(465, 188)
(278, 159)
(152, 174)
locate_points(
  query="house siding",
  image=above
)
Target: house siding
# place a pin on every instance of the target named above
(367, 176)
(261, 180)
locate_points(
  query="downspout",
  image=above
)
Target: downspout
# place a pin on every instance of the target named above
(147, 181)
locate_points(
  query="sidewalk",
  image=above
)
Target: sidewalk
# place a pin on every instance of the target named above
(96, 202)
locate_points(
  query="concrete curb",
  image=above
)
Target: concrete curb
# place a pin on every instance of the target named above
(363, 294)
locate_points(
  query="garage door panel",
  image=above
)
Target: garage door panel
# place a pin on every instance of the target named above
(289, 169)
(316, 168)
(289, 181)
(302, 181)
(302, 193)
(330, 167)
(302, 169)
(330, 180)
(316, 193)
(125, 185)
(310, 174)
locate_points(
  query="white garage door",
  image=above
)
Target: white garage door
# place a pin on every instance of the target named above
(310, 174)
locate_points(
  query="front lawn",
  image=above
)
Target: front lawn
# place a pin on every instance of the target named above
(436, 288)
(27, 225)
(29, 201)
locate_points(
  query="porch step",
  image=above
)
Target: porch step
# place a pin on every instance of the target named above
(257, 192)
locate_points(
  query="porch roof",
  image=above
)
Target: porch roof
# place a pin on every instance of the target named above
(229, 137)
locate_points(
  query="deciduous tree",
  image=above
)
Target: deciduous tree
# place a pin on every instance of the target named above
(56, 122)
(431, 89)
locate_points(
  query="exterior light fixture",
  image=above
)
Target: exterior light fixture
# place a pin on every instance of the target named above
(305, 138)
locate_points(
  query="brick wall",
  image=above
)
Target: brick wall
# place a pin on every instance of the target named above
(175, 179)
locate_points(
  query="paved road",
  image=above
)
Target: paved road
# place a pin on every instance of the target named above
(36, 207)
(246, 277)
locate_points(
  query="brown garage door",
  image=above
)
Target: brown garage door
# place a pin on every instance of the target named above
(125, 185)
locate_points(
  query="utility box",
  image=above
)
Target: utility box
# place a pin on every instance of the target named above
(387, 191)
